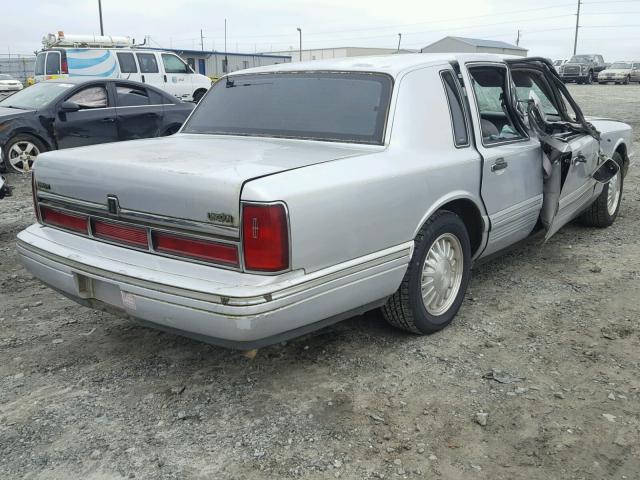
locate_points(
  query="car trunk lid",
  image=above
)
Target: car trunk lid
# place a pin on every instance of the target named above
(185, 176)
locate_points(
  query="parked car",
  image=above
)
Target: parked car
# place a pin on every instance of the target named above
(9, 84)
(620, 73)
(300, 194)
(558, 63)
(74, 112)
(582, 69)
(115, 57)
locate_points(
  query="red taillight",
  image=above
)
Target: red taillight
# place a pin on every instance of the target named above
(195, 248)
(57, 218)
(265, 237)
(64, 67)
(115, 232)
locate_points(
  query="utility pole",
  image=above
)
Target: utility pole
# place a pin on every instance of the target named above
(300, 32)
(100, 13)
(575, 39)
(399, 40)
(226, 59)
(201, 41)
(518, 39)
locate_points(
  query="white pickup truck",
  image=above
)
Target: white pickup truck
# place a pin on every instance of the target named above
(300, 194)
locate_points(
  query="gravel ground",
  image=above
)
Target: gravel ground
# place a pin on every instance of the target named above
(537, 378)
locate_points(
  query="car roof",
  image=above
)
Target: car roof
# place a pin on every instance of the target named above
(83, 80)
(390, 64)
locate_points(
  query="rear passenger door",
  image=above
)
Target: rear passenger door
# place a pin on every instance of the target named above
(511, 172)
(139, 111)
(128, 66)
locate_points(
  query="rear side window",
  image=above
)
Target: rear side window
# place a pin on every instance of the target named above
(40, 63)
(148, 63)
(458, 118)
(130, 96)
(173, 64)
(127, 63)
(53, 63)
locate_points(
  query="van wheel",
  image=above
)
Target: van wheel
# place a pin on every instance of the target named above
(21, 151)
(198, 94)
(604, 210)
(434, 285)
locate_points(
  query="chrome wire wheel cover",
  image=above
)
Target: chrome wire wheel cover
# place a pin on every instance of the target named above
(442, 274)
(22, 154)
(613, 195)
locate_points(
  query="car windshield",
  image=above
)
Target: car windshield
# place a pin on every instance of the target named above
(35, 96)
(581, 59)
(328, 106)
(621, 66)
(4, 76)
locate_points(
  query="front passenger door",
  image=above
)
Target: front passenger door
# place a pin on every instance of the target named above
(573, 176)
(94, 122)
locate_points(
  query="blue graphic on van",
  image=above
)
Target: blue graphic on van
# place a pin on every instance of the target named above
(77, 62)
(91, 62)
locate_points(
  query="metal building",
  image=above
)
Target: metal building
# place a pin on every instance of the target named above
(474, 45)
(212, 63)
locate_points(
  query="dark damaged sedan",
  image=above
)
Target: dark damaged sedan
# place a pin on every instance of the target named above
(72, 112)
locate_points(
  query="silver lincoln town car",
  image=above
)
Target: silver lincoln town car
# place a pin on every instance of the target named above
(298, 195)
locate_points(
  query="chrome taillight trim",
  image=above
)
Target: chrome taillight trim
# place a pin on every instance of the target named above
(149, 230)
(148, 219)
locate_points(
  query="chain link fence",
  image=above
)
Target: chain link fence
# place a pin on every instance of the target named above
(20, 67)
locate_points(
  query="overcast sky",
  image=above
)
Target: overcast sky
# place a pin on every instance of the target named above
(610, 27)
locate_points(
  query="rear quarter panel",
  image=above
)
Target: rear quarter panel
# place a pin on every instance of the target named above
(340, 210)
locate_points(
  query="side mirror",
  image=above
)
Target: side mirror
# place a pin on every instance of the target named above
(69, 106)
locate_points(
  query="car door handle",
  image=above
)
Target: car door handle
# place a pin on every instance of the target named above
(579, 159)
(165, 79)
(108, 120)
(500, 164)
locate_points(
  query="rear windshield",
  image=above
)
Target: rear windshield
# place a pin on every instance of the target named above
(342, 107)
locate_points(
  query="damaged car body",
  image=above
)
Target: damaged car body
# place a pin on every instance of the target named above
(297, 195)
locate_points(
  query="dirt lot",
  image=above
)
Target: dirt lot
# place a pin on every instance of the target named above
(85, 394)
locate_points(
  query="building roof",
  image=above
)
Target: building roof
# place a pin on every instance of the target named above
(389, 64)
(479, 42)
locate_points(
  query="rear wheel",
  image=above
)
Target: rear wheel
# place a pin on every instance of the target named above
(589, 78)
(604, 210)
(434, 285)
(21, 152)
(626, 81)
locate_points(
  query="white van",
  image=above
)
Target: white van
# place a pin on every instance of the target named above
(69, 57)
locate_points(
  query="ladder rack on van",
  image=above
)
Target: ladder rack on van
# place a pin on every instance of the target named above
(59, 39)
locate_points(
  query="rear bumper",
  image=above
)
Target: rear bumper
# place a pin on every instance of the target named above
(223, 307)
